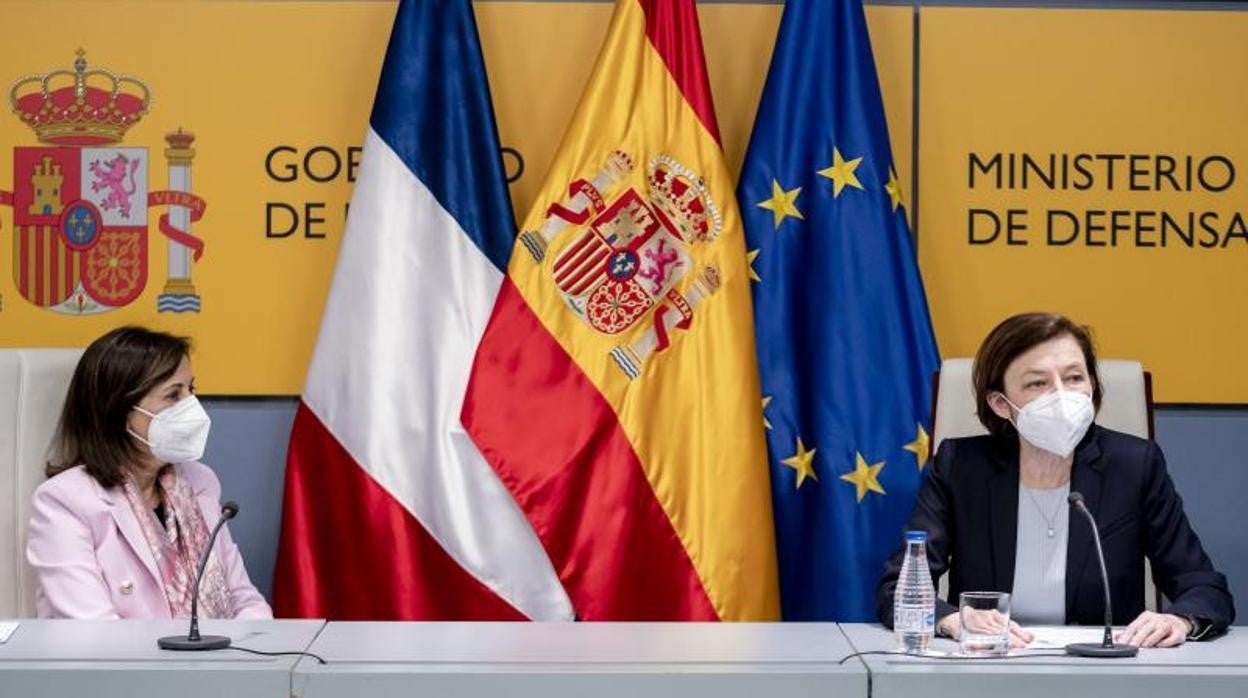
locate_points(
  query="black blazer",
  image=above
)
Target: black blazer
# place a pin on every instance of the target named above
(968, 505)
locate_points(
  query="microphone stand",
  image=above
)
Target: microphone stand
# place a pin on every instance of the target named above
(193, 640)
(1107, 647)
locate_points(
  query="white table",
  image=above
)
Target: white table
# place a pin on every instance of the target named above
(116, 659)
(585, 660)
(119, 659)
(1194, 670)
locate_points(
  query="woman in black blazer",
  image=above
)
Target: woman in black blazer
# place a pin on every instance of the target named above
(994, 506)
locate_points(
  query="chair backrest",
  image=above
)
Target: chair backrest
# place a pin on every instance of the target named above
(32, 390)
(1126, 406)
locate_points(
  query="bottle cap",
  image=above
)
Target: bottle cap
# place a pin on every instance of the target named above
(916, 536)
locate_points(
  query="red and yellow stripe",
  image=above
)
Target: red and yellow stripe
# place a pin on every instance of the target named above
(45, 268)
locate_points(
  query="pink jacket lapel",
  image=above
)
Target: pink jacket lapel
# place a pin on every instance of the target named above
(123, 516)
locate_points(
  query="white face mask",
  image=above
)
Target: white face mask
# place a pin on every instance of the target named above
(178, 433)
(1055, 421)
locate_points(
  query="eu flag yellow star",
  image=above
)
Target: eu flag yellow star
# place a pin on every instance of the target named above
(766, 402)
(921, 446)
(802, 462)
(749, 264)
(782, 204)
(841, 172)
(864, 477)
(893, 187)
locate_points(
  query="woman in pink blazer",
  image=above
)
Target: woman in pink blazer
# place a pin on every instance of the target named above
(119, 527)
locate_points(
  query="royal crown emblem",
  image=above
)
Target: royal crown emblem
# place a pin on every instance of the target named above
(80, 201)
(96, 108)
(632, 256)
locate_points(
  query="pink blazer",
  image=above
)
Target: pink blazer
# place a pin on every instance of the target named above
(91, 560)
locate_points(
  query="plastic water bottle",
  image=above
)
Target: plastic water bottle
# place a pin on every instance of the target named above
(914, 599)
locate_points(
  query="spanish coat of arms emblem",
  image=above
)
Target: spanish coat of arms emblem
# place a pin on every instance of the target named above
(628, 260)
(80, 201)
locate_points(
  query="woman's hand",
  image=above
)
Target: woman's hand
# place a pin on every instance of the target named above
(949, 626)
(1156, 630)
(983, 622)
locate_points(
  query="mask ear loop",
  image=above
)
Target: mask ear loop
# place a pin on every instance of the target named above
(1013, 418)
(135, 435)
(1016, 408)
(1007, 401)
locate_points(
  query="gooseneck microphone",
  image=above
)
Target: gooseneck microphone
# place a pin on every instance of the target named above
(193, 640)
(1106, 648)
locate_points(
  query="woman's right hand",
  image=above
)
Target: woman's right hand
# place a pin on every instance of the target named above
(949, 626)
(985, 622)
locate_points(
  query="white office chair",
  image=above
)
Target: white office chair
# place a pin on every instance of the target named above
(32, 390)
(1126, 406)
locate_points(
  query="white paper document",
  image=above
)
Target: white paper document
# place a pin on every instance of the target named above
(6, 629)
(1058, 636)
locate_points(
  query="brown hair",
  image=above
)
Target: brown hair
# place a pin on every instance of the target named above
(1012, 338)
(112, 376)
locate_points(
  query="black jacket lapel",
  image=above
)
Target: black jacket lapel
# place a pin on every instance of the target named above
(1085, 478)
(1003, 493)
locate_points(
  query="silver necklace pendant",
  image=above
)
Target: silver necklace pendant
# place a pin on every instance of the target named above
(1050, 521)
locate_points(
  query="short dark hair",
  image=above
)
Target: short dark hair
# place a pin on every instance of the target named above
(1014, 337)
(112, 376)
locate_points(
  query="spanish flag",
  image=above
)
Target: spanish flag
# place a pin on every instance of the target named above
(615, 390)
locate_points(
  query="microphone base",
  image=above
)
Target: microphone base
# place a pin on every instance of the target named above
(182, 643)
(1096, 649)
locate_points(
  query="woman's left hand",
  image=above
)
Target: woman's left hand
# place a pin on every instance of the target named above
(1156, 630)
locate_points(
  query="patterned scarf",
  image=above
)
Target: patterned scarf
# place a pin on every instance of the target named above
(178, 546)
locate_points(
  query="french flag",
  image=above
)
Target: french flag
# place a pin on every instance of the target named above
(391, 512)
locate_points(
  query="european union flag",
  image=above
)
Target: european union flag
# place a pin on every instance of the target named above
(845, 345)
